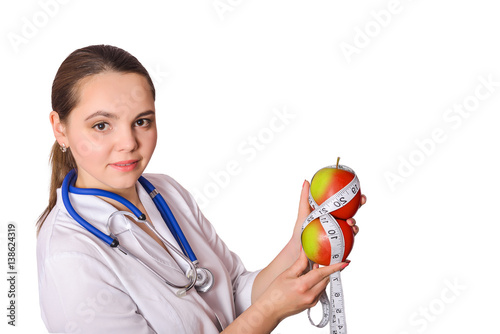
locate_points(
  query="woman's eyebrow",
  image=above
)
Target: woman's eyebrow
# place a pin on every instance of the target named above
(111, 115)
(145, 113)
(101, 113)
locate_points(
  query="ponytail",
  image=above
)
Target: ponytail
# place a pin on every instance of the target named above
(61, 164)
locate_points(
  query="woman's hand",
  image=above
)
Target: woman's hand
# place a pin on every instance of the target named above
(291, 251)
(298, 288)
(293, 291)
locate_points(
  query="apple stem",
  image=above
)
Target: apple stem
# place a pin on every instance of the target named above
(338, 159)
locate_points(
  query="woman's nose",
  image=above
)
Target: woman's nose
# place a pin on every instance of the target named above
(126, 140)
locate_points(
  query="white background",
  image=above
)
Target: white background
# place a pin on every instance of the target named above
(220, 79)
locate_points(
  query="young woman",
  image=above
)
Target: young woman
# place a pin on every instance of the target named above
(103, 121)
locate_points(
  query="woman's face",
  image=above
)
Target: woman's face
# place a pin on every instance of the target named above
(112, 130)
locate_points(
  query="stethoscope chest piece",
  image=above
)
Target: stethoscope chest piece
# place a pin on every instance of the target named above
(204, 280)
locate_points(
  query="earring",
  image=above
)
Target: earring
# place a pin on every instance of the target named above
(63, 148)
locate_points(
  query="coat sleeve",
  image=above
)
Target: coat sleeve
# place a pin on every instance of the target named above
(79, 294)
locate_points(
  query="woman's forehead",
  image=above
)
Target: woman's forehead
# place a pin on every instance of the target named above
(116, 93)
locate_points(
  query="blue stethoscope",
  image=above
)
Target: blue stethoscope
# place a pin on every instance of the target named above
(200, 278)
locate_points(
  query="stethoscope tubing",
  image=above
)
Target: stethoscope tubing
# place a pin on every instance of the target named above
(111, 240)
(67, 203)
(169, 218)
(192, 265)
(105, 193)
(161, 204)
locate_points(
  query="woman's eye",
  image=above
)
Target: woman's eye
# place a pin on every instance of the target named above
(101, 126)
(142, 122)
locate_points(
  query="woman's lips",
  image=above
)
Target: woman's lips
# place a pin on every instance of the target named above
(125, 166)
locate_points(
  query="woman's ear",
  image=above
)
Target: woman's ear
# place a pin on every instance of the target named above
(59, 129)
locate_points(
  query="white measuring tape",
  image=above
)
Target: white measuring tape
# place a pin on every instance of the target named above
(333, 313)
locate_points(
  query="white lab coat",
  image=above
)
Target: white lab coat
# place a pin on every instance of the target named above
(88, 287)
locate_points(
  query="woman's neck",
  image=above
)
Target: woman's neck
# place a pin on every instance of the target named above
(129, 194)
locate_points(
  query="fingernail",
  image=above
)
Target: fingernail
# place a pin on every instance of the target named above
(304, 184)
(344, 265)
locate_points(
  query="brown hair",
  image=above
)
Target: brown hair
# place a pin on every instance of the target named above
(78, 65)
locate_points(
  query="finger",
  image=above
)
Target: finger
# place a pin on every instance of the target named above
(317, 290)
(355, 229)
(352, 222)
(318, 296)
(304, 208)
(299, 266)
(346, 261)
(316, 287)
(363, 199)
(317, 276)
(328, 270)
